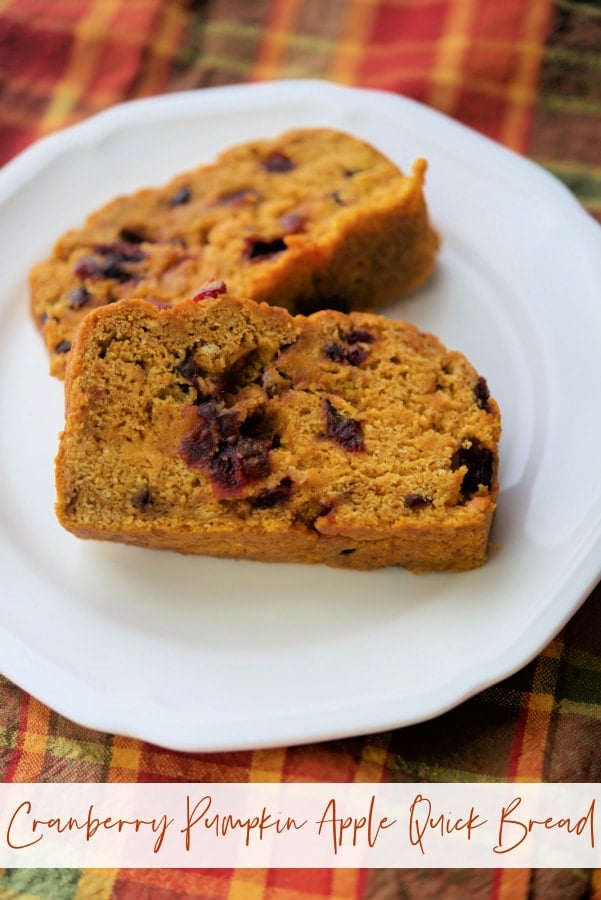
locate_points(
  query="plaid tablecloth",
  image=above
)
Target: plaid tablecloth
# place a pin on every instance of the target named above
(528, 74)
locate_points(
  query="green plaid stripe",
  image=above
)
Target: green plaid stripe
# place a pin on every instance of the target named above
(565, 135)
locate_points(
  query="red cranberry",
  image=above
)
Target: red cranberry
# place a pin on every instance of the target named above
(482, 394)
(123, 251)
(228, 425)
(110, 261)
(88, 267)
(335, 351)
(198, 446)
(217, 443)
(359, 336)
(213, 289)
(479, 461)
(235, 465)
(278, 162)
(417, 501)
(79, 297)
(353, 353)
(274, 496)
(189, 368)
(344, 431)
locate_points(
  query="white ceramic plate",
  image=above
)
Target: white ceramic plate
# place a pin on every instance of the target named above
(201, 654)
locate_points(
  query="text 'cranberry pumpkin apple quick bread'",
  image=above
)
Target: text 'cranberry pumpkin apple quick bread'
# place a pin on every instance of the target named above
(231, 428)
(313, 219)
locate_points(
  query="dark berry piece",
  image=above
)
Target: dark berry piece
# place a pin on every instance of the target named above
(189, 368)
(213, 289)
(110, 262)
(278, 162)
(113, 270)
(479, 461)
(198, 446)
(228, 425)
(225, 470)
(482, 394)
(237, 464)
(208, 410)
(88, 267)
(354, 355)
(116, 258)
(359, 336)
(182, 195)
(274, 496)
(259, 249)
(335, 351)
(143, 500)
(254, 456)
(344, 431)
(417, 501)
(121, 251)
(349, 173)
(232, 459)
(63, 347)
(79, 297)
(348, 551)
(335, 195)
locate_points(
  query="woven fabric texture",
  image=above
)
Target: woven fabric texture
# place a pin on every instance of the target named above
(526, 73)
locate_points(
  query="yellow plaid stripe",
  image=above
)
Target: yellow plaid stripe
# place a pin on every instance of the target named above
(515, 128)
(354, 39)
(447, 75)
(82, 63)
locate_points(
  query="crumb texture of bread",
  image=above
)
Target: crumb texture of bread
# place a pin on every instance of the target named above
(231, 428)
(313, 219)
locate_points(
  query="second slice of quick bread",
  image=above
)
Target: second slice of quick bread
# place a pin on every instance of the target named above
(313, 219)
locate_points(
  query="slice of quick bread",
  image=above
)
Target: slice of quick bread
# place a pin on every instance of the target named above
(231, 428)
(311, 220)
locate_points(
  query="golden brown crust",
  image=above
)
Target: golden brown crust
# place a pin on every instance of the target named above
(313, 219)
(231, 428)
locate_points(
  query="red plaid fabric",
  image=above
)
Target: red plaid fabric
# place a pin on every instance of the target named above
(524, 72)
